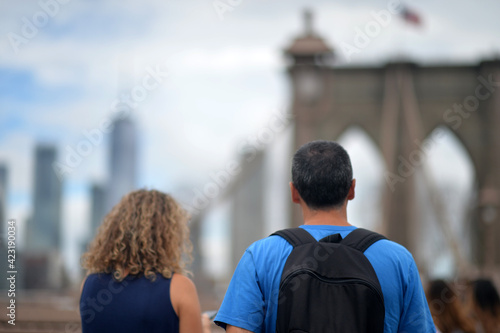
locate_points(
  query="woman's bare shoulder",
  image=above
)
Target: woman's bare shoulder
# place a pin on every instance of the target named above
(182, 282)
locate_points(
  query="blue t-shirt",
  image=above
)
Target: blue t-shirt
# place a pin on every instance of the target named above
(133, 305)
(251, 300)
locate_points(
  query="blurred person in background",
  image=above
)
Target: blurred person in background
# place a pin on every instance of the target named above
(447, 310)
(136, 268)
(486, 306)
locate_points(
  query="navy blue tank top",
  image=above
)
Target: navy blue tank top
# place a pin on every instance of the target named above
(133, 305)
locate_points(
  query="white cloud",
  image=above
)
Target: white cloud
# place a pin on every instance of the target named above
(233, 59)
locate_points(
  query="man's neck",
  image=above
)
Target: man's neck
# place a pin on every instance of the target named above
(336, 217)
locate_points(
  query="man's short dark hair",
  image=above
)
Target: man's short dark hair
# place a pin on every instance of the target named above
(322, 174)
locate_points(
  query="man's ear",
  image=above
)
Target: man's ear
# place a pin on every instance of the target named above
(295, 194)
(351, 193)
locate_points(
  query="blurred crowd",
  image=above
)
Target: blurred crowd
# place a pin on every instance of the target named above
(464, 306)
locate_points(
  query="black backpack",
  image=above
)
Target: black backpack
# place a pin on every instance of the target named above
(329, 285)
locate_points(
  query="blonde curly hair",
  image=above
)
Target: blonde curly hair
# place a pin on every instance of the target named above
(146, 232)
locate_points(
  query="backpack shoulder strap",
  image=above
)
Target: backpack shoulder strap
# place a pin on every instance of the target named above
(295, 236)
(361, 239)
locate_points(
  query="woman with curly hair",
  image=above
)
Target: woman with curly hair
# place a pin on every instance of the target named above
(136, 269)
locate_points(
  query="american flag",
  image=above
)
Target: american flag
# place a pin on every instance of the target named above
(410, 16)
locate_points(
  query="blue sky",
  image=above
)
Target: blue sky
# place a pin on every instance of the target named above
(226, 77)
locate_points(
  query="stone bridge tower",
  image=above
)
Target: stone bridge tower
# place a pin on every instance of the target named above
(398, 105)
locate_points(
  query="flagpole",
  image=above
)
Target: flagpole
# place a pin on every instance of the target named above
(409, 17)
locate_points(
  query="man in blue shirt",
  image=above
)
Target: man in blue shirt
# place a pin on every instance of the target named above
(322, 185)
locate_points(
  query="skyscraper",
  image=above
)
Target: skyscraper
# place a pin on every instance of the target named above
(98, 206)
(43, 266)
(123, 160)
(45, 226)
